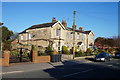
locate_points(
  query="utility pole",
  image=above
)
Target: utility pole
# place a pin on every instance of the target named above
(1, 36)
(74, 27)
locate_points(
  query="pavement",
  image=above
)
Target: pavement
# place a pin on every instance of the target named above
(23, 67)
(79, 68)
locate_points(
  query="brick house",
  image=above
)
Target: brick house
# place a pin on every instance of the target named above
(57, 34)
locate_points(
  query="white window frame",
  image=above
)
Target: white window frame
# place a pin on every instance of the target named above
(57, 32)
(22, 37)
(78, 36)
(29, 36)
(68, 34)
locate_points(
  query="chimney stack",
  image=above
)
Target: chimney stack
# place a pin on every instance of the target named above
(64, 23)
(74, 27)
(80, 28)
(54, 19)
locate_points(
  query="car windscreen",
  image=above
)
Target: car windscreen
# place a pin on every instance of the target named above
(101, 55)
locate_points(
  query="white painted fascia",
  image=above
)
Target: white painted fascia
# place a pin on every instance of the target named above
(60, 24)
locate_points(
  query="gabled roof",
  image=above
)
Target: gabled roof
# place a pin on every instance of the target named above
(40, 26)
(87, 32)
(70, 29)
(52, 24)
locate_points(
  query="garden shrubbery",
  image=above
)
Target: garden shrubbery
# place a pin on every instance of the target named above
(78, 53)
(88, 52)
(65, 50)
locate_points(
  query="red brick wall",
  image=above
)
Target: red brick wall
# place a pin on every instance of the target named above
(5, 60)
(39, 59)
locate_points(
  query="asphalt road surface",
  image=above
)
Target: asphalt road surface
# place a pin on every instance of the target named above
(92, 70)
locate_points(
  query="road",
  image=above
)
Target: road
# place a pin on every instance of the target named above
(75, 69)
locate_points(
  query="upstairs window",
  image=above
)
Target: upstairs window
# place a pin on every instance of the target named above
(78, 36)
(82, 37)
(57, 32)
(68, 34)
(22, 37)
(30, 36)
(91, 38)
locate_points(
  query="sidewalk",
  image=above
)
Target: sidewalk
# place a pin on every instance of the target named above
(38, 66)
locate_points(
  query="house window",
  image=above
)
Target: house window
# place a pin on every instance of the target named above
(30, 36)
(91, 38)
(22, 38)
(82, 37)
(68, 34)
(57, 32)
(78, 36)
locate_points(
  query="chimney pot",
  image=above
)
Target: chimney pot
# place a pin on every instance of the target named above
(64, 23)
(80, 28)
(54, 19)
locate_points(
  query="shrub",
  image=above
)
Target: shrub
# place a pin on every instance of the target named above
(15, 53)
(49, 50)
(76, 48)
(65, 50)
(71, 50)
(34, 47)
(7, 45)
(41, 53)
(78, 54)
(88, 52)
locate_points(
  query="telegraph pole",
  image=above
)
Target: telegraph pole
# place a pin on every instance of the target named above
(74, 27)
(1, 39)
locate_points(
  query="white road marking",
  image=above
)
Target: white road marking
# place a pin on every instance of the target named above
(78, 73)
(69, 68)
(109, 65)
(11, 72)
(88, 62)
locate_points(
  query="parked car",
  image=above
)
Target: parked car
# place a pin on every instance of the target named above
(117, 54)
(103, 57)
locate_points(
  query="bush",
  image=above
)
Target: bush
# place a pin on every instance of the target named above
(78, 54)
(15, 53)
(65, 50)
(49, 50)
(76, 48)
(71, 50)
(40, 53)
(34, 47)
(88, 52)
(7, 45)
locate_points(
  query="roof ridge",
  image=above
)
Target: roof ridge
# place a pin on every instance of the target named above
(44, 23)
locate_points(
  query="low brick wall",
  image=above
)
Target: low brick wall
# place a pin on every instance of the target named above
(39, 59)
(5, 60)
